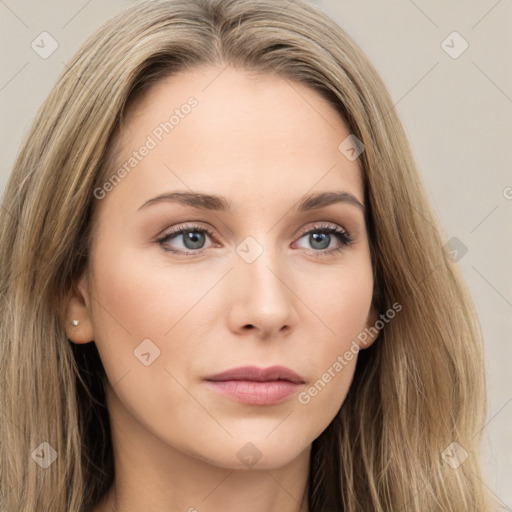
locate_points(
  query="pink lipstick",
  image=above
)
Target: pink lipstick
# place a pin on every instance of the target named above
(256, 386)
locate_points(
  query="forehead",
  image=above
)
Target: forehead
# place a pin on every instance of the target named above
(248, 137)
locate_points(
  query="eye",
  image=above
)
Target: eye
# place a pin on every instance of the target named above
(193, 238)
(320, 238)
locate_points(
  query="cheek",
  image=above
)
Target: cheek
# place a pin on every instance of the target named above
(341, 299)
(135, 301)
(140, 297)
(141, 317)
(342, 306)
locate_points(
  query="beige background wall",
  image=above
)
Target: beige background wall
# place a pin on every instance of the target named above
(457, 111)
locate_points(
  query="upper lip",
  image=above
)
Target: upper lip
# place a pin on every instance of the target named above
(253, 373)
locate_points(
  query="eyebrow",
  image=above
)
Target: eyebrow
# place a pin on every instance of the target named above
(219, 203)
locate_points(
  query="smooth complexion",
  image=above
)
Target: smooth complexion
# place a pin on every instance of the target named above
(263, 143)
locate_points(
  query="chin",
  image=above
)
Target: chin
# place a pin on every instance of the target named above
(259, 454)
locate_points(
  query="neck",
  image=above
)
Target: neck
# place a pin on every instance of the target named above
(198, 487)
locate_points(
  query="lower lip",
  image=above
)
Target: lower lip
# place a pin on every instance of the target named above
(256, 393)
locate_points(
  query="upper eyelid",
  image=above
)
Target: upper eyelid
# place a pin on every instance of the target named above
(322, 225)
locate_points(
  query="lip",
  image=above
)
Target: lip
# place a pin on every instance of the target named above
(253, 373)
(256, 386)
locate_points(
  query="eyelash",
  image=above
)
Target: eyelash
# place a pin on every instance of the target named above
(342, 235)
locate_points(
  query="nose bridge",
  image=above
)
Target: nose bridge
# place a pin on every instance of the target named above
(262, 288)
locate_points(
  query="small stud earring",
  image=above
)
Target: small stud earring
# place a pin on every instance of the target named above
(74, 323)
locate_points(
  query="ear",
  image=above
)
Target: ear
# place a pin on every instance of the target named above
(76, 306)
(367, 337)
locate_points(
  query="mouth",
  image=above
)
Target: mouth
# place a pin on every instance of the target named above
(256, 386)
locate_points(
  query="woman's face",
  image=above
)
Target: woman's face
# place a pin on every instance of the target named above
(261, 278)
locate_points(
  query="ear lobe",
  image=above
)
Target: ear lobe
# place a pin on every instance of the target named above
(76, 306)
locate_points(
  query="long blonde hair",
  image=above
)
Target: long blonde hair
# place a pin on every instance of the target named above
(419, 388)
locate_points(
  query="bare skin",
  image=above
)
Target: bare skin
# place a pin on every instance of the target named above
(263, 145)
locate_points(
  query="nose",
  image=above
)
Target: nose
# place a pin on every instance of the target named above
(262, 297)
